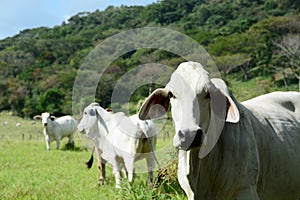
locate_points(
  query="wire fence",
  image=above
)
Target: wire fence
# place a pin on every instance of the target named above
(21, 137)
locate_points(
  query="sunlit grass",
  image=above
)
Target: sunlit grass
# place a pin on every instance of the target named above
(29, 171)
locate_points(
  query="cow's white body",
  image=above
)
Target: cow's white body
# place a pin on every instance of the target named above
(247, 150)
(121, 140)
(57, 128)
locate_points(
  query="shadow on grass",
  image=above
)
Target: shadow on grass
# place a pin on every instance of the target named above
(72, 147)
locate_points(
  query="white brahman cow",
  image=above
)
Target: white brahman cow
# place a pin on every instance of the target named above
(230, 150)
(120, 140)
(57, 128)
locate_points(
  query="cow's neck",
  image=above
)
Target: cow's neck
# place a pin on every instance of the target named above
(211, 177)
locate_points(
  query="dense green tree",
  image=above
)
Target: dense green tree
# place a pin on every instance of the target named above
(38, 66)
(51, 101)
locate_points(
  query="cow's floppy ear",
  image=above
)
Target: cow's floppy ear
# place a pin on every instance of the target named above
(100, 117)
(233, 114)
(156, 105)
(222, 109)
(217, 120)
(37, 117)
(218, 85)
(52, 118)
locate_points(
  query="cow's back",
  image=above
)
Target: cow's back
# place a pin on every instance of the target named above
(276, 124)
(66, 125)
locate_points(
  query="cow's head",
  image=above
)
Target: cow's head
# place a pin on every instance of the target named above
(200, 107)
(92, 122)
(45, 117)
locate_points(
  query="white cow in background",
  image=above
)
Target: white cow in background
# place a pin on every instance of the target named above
(121, 140)
(57, 128)
(230, 150)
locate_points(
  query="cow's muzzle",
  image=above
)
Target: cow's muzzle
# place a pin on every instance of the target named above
(188, 139)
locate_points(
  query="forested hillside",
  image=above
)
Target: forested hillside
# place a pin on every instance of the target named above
(249, 40)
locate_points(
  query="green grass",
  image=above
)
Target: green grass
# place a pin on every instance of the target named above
(247, 89)
(29, 171)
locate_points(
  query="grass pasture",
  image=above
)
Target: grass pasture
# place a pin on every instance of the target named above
(29, 171)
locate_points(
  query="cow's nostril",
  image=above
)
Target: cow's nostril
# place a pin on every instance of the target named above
(199, 131)
(45, 124)
(190, 139)
(198, 139)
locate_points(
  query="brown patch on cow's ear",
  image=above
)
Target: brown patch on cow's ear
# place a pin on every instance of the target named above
(109, 109)
(37, 117)
(156, 105)
(233, 114)
(52, 118)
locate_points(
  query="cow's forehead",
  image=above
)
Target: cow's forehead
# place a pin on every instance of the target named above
(189, 76)
(87, 109)
(177, 84)
(45, 115)
(188, 69)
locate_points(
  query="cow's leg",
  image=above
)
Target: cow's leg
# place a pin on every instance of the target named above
(151, 166)
(71, 140)
(117, 177)
(129, 164)
(116, 171)
(130, 175)
(101, 167)
(48, 141)
(57, 142)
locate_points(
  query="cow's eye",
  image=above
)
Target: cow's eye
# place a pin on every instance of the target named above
(92, 112)
(170, 95)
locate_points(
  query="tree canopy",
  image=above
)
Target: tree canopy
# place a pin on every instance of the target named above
(38, 66)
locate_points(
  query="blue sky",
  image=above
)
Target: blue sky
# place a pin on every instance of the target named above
(17, 15)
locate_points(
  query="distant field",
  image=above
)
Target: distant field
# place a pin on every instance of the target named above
(247, 89)
(29, 171)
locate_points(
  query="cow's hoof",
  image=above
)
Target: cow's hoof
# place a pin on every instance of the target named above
(101, 182)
